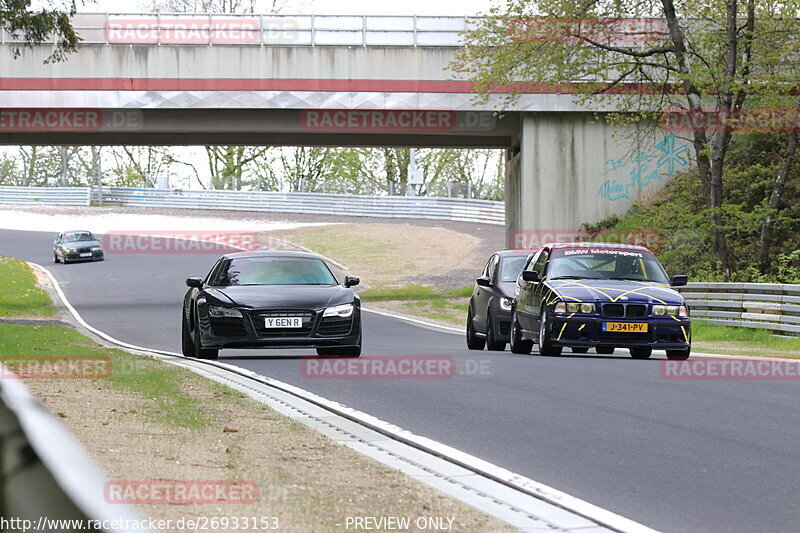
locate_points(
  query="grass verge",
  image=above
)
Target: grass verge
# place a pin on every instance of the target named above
(713, 338)
(20, 297)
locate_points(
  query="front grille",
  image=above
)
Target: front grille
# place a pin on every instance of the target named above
(228, 327)
(335, 325)
(258, 323)
(84, 249)
(624, 310)
(505, 327)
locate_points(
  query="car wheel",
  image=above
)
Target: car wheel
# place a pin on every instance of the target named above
(545, 342)
(579, 350)
(55, 257)
(187, 343)
(679, 355)
(641, 352)
(199, 351)
(491, 342)
(518, 344)
(605, 349)
(473, 341)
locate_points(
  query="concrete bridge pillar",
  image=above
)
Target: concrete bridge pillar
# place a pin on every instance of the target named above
(571, 168)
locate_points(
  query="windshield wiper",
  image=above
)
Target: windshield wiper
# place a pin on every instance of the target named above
(630, 279)
(574, 277)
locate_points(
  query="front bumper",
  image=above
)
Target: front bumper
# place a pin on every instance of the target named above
(245, 332)
(502, 325)
(663, 333)
(76, 256)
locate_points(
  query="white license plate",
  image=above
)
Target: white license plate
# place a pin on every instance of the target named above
(283, 322)
(87, 254)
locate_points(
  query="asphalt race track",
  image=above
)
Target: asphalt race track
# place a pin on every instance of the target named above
(690, 456)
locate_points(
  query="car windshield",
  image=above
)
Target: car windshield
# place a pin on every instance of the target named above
(275, 271)
(599, 263)
(511, 266)
(78, 236)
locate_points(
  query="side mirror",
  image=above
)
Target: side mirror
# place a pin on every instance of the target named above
(194, 282)
(351, 281)
(484, 281)
(679, 280)
(530, 275)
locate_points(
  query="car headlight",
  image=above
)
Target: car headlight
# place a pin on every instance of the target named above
(670, 310)
(577, 307)
(343, 311)
(97, 248)
(70, 250)
(219, 311)
(505, 304)
(561, 307)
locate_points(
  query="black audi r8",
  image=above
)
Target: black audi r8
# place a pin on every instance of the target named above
(601, 296)
(489, 312)
(79, 245)
(271, 299)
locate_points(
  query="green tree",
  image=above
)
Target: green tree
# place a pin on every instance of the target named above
(699, 56)
(36, 26)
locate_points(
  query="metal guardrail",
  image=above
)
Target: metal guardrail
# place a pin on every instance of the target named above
(457, 209)
(771, 306)
(47, 477)
(80, 196)
(264, 30)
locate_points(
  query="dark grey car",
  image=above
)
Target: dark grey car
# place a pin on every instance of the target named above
(489, 315)
(77, 245)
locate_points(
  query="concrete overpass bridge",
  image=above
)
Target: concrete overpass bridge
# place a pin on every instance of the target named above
(323, 80)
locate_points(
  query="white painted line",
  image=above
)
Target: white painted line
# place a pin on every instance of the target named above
(489, 470)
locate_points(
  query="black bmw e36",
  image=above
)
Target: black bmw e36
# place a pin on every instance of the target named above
(78, 245)
(601, 296)
(278, 299)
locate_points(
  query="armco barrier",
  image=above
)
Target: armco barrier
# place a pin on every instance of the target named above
(46, 475)
(46, 195)
(458, 209)
(771, 306)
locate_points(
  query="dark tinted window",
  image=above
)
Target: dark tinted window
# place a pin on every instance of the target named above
(274, 271)
(510, 267)
(599, 263)
(77, 236)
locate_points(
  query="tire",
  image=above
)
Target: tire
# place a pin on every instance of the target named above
(545, 342)
(473, 341)
(491, 342)
(55, 257)
(679, 355)
(642, 352)
(200, 352)
(187, 342)
(518, 344)
(607, 350)
(579, 350)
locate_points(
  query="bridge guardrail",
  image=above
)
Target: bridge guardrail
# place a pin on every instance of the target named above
(80, 196)
(771, 306)
(46, 475)
(264, 30)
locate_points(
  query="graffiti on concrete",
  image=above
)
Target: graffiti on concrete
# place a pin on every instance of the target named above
(640, 168)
